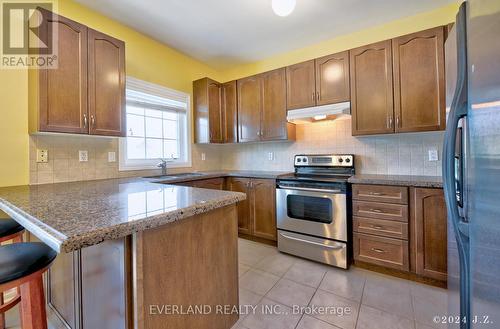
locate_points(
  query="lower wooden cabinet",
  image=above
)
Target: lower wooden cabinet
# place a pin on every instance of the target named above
(429, 232)
(211, 183)
(387, 252)
(257, 214)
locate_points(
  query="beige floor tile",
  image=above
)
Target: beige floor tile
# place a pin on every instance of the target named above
(371, 318)
(348, 284)
(306, 272)
(290, 293)
(258, 281)
(249, 298)
(425, 309)
(388, 294)
(250, 253)
(277, 264)
(308, 322)
(338, 311)
(242, 269)
(271, 315)
(422, 326)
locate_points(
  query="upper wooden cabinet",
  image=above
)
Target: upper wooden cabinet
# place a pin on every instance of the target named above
(230, 112)
(332, 78)
(85, 94)
(321, 81)
(300, 85)
(106, 81)
(419, 81)
(262, 108)
(372, 89)
(207, 111)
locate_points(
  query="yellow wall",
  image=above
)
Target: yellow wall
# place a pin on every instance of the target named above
(152, 61)
(145, 59)
(440, 16)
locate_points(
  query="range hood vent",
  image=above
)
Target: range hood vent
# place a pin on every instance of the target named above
(319, 113)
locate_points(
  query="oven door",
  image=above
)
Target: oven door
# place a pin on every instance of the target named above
(311, 211)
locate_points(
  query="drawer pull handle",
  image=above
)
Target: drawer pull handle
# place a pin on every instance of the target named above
(380, 251)
(378, 227)
(376, 193)
(376, 210)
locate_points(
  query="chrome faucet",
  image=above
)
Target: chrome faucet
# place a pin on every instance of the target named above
(163, 166)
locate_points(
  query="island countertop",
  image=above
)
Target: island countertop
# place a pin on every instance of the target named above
(71, 216)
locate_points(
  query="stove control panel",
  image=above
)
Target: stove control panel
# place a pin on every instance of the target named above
(324, 160)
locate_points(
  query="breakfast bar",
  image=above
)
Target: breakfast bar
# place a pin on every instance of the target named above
(132, 251)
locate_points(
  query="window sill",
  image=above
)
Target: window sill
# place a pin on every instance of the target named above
(135, 167)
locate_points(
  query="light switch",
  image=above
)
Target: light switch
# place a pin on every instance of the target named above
(83, 156)
(111, 156)
(433, 155)
(42, 155)
(203, 157)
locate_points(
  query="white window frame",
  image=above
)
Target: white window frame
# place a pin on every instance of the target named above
(184, 129)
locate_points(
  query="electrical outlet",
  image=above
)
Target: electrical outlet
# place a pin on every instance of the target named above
(203, 157)
(111, 156)
(83, 156)
(270, 156)
(42, 156)
(433, 155)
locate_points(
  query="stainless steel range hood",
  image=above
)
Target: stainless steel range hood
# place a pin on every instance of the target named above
(319, 113)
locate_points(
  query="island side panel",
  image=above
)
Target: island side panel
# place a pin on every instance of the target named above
(190, 262)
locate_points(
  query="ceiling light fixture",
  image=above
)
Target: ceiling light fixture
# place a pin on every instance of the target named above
(283, 7)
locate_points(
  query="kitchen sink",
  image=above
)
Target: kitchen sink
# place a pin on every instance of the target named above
(173, 176)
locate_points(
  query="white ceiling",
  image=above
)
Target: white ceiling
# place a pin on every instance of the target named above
(223, 33)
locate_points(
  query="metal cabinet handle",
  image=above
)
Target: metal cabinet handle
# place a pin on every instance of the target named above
(397, 121)
(312, 96)
(92, 120)
(84, 120)
(313, 242)
(380, 251)
(376, 193)
(378, 227)
(318, 97)
(390, 121)
(376, 210)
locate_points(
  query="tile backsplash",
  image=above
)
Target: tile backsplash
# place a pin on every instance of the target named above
(398, 154)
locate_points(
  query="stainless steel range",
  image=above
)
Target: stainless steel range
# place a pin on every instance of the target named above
(312, 207)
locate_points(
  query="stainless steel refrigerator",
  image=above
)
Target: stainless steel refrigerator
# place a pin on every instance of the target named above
(471, 166)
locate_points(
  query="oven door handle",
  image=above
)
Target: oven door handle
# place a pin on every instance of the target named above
(339, 246)
(308, 189)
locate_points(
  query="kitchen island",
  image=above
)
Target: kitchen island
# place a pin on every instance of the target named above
(134, 253)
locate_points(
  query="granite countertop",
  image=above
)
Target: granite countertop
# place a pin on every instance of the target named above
(70, 216)
(399, 180)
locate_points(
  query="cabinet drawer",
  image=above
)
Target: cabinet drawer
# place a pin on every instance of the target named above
(381, 251)
(397, 212)
(391, 229)
(380, 193)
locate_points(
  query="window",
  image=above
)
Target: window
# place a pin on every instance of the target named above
(157, 127)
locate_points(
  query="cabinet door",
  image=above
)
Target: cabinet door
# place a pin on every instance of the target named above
(419, 81)
(264, 208)
(62, 97)
(249, 108)
(106, 85)
(332, 78)
(242, 185)
(214, 183)
(429, 229)
(230, 112)
(214, 112)
(300, 85)
(274, 124)
(371, 89)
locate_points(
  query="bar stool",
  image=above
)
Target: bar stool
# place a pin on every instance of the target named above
(22, 265)
(9, 230)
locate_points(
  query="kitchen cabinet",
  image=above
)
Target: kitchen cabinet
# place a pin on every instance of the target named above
(320, 81)
(419, 81)
(85, 94)
(230, 112)
(106, 80)
(207, 111)
(300, 83)
(372, 107)
(257, 214)
(429, 237)
(212, 183)
(58, 97)
(332, 78)
(262, 108)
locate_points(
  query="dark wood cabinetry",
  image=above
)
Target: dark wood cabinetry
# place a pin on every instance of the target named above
(230, 112)
(262, 108)
(211, 183)
(419, 81)
(207, 111)
(429, 232)
(85, 94)
(106, 81)
(257, 214)
(372, 89)
(301, 88)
